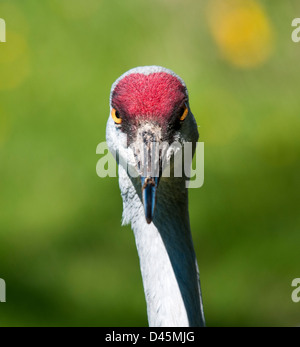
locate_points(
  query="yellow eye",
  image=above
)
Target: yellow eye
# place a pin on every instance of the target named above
(116, 116)
(184, 113)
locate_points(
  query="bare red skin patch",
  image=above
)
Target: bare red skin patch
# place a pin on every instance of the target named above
(155, 96)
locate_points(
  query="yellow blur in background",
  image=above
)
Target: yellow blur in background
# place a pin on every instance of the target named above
(242, 31)
(63, 254)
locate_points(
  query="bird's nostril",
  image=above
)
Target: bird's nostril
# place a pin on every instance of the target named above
(148, 136)
(149, 181)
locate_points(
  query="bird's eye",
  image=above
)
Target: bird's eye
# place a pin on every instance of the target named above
(116, 116)
(184, 113)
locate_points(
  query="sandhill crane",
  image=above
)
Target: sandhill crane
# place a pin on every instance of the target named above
(150, 104)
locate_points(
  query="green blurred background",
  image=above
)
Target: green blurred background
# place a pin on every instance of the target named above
(63, 253)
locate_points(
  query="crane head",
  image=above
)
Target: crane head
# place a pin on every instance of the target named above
(149, 110)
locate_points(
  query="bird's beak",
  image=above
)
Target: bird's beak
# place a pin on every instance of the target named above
(149, 188)
(148, 155)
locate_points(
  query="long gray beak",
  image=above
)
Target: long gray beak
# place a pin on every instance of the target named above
(149, 189)
(148, 157)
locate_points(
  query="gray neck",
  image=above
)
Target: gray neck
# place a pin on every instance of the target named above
(167, 257)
